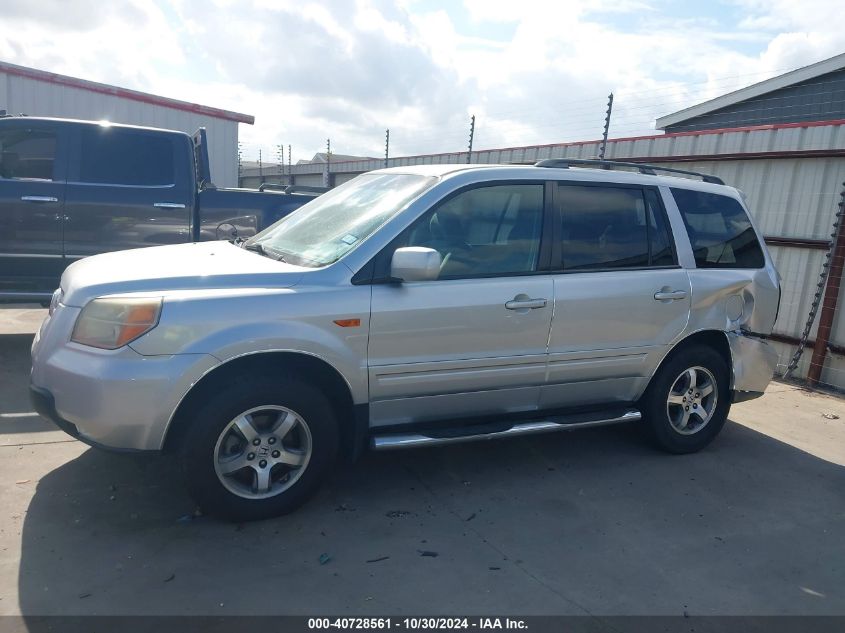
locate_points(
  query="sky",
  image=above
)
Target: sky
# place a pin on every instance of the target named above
(531, 71)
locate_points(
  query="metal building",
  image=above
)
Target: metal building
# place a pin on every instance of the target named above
(812, 93)
(39, 93)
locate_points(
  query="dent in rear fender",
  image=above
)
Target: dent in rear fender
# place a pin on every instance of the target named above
(754, 362)
(729, 299)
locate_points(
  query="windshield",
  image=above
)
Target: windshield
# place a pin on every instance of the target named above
(324, 230)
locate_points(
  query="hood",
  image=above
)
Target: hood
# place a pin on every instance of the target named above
(203, 265)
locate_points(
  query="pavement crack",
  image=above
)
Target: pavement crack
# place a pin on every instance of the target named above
(37, 443)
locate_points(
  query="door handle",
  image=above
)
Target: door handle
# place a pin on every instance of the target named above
(39, 199)
(670, 295)
(169, 205)
(525, 304)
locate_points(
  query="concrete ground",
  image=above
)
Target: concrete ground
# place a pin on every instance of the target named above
(572, 523)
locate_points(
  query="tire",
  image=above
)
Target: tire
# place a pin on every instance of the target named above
(679, 427)
(293, 445)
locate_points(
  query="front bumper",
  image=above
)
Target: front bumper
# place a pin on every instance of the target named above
(45, 406)
(117, 399)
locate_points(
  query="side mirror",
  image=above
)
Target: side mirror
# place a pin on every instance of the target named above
(415, 263)
(226, 231)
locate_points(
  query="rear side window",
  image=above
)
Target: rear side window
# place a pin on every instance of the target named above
(719, 230)
(612, 227)
(125, 157)
(27, 154)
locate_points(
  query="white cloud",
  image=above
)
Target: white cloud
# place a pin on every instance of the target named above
(534, 71)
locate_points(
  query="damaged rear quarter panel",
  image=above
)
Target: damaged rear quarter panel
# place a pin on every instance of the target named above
(743, 304)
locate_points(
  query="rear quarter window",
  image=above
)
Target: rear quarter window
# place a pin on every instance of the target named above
(719, 230)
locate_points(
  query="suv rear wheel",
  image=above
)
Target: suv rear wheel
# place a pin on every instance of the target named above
(687, 401)
(259, 448)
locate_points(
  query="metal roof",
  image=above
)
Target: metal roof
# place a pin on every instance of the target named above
(123, 93)
(755, 90)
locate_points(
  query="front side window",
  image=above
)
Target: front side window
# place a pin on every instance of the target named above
(27, 154)
(719, 230)
(493, 230)
(603, 228)
(114, 156)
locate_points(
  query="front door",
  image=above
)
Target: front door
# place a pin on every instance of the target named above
(473, 341)
(32, 194)
(620, 298)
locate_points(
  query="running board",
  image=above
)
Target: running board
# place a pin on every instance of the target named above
(439, 437)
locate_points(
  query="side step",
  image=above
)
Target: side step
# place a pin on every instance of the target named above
(471, 433)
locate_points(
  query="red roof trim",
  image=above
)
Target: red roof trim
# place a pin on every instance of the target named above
(123, 93)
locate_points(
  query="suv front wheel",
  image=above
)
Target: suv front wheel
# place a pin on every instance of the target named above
(259, 448)
(688, 399)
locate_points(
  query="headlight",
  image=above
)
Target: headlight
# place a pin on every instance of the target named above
(112, 323)
(54, 301)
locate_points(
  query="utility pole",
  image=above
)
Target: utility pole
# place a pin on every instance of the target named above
(260, 168)
(290, 170)
(386, 146)
(606, 126)
(471, 136)
(240, 162)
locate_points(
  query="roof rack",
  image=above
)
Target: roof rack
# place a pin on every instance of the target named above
(565, 163)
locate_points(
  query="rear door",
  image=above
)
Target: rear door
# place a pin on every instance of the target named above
(127, 188)
(621, 298)
(32, 196)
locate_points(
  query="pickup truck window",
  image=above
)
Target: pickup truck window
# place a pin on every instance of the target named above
(324, 230)
(27, 154)
(124, 157)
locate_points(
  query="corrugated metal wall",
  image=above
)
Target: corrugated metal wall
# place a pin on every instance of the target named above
(791, 195)
(39, 98)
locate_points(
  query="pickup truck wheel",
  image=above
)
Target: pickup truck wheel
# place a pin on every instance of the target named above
(688, 400)
(259, 448)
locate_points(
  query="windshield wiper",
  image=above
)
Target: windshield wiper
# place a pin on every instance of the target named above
(261, 250)
(255, 247)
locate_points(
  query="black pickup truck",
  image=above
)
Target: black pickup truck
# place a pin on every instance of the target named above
(69, 189)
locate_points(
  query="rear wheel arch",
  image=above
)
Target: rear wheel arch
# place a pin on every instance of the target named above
(715, 339)
(303, 366)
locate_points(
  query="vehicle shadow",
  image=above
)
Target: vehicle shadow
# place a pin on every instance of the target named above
(592, 521)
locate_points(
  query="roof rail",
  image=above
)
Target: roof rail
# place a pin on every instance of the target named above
(565, 163)
(305, 189)
(272, 186)
(275, 186)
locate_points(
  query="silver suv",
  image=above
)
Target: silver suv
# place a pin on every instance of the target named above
(417, 306)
